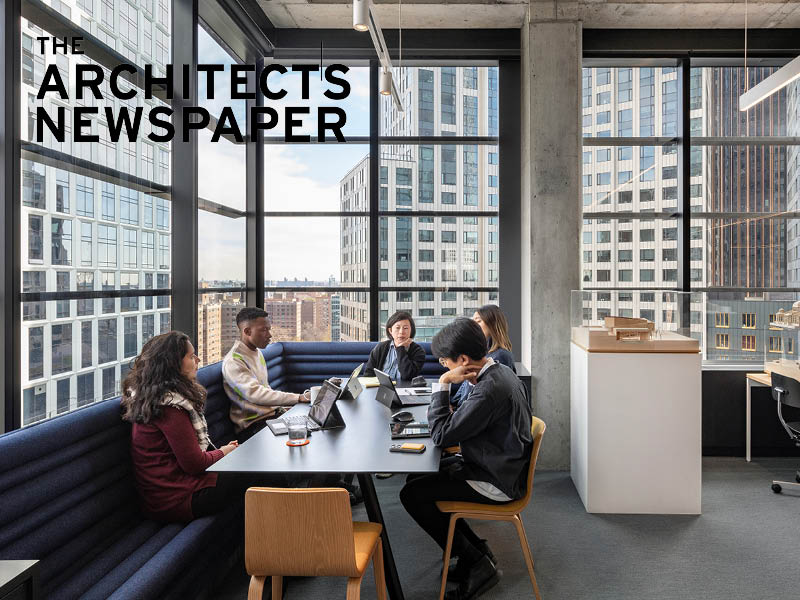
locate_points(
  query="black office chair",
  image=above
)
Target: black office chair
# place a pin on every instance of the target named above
(786, 390)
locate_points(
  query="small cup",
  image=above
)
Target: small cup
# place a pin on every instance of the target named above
(298, 434)
(315, 392)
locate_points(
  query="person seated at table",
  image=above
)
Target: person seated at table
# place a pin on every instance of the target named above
(245, 377)
(494, 325)
(493, 429)
(399, 357)
(170, 447)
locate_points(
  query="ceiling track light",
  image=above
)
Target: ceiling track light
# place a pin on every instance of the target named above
(772, 84)
(386, 82)
(360, 15)
(363, 14)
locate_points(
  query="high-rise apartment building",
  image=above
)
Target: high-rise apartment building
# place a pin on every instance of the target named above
(428, 251)
(745, 179)
(744, 251)
(336, 315)
(641, 252)
(85, 232)
(793, 185)
(216, 329)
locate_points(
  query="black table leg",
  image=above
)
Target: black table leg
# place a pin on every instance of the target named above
(376, 516)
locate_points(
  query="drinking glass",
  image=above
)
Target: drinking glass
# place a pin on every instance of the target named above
(298, 434)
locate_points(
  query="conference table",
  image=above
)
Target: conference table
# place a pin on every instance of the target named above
(361, 447)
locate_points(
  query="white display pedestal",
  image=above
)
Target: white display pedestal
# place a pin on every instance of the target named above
(636, 431)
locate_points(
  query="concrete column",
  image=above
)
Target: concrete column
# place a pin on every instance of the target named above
(551, 219)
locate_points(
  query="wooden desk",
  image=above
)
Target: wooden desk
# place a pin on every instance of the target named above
(361, 447)
(753, 380)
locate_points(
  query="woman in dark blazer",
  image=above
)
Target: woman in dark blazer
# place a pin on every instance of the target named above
(494, 325)
(399, 357)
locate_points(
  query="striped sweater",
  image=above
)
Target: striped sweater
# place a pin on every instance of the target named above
(245, 380)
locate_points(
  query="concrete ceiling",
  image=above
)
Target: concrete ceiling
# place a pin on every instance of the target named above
(495, 14)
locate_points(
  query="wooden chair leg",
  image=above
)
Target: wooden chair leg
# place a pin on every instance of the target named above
(256, 589)
(526, 551)
(354, 588)
(377, 567)
(448, 548)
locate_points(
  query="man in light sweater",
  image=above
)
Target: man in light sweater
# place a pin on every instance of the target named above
(245, 379)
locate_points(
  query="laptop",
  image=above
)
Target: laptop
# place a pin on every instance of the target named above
(323, 413)
(352, 387)
(387, 394)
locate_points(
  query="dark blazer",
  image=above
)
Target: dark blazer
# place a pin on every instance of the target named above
(504, 357)
(493, 428)
(409, 362)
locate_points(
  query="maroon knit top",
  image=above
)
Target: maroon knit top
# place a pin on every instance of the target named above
(169, 465)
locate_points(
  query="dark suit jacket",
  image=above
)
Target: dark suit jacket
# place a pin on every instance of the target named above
(409, 362)
(493, 428)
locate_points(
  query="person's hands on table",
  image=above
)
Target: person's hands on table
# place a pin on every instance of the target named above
(229, 447)
(304, 397)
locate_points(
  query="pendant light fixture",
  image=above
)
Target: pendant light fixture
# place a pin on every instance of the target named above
(363, 14)
(772, 84)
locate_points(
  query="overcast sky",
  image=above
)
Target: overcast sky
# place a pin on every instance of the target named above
(297, 177)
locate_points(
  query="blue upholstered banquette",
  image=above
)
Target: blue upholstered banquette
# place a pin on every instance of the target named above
(67, 494)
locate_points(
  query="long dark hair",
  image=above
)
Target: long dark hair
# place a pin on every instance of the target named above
(156, 372)
(496, 323)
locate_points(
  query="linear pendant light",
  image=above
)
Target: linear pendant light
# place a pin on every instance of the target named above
(362, 11)
(775, 82)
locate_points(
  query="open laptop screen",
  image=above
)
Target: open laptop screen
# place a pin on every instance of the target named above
(324, 402)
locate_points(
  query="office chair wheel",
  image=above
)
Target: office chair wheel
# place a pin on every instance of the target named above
(776, 488)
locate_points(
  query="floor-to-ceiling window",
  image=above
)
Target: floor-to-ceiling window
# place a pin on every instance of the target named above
(221, 218)
(316, 210)
(439, 195)
(96, 223)
(667, 159)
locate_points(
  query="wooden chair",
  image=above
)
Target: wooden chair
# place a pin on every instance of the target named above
(496, 512)
(308, 532)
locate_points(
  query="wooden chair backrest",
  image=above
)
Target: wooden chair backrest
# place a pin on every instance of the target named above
(305, 532)
(537, 431)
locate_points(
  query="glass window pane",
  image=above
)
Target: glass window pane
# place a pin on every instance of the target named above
(716, 91)
(432, 310)
(459, 100)
(317, 177)
(356, 105)
(325, 251)
(441, 177)
(631, 102)
(440, 251)
(216, 325)
(631, 253)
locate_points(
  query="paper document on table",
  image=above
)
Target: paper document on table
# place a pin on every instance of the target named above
(370, 382)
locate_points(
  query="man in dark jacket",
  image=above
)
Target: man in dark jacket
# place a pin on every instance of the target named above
(493, 428)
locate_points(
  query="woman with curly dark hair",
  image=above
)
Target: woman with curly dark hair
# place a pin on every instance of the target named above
(169, 439)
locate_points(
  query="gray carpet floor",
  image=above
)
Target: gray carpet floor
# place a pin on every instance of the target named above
(745, 545)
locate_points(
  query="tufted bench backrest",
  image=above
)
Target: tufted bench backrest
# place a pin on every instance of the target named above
(307, 363)
(66, 486)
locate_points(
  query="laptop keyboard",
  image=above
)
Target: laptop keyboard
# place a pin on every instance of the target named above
(309, 423)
